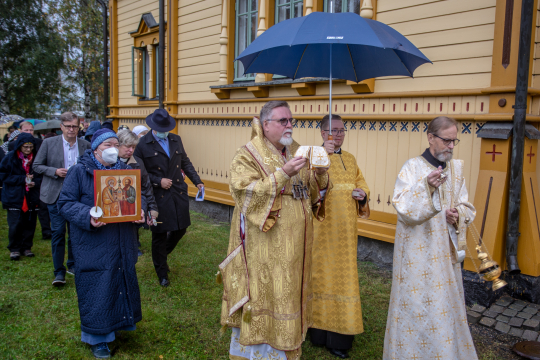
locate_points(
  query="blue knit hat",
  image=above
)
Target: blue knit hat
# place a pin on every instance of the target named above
(100, 136)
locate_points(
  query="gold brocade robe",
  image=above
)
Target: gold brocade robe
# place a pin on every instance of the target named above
(278, 245)
(427, 317)
(336, 293)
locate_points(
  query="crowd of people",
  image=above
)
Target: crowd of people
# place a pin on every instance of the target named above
(291, 265)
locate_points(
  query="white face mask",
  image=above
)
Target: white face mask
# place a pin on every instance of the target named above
(124, 160)
(110, 155)
(162, 135)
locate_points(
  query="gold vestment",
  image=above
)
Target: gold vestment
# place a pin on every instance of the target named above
(336, 292)
(427, 316)
(278, 245)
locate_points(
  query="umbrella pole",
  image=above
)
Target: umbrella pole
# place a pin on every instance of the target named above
(330, 137)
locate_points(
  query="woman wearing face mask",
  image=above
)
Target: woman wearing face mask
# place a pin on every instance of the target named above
(105, 254)
(128, 142)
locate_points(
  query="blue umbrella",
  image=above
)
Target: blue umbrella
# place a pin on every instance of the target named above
(343, 46)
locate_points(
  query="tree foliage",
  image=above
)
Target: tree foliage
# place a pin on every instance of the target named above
(50, 56)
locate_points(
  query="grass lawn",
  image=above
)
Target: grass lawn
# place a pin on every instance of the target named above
(38, 321)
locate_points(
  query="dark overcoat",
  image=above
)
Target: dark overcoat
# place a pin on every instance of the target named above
(173, 203)
(105, 257)
(13, 177)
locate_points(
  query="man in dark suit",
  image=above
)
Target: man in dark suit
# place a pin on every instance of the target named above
(55, 156)
(164, 157)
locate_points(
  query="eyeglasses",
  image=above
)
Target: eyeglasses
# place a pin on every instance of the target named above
(338, 131)
(284, 121)
(71, 127)
(447, 142)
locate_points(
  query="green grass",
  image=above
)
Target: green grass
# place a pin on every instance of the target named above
(38, 321)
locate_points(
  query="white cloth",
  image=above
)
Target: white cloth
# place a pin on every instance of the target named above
(253, 352)
(427, 316)
(71, 153)
(139, 129)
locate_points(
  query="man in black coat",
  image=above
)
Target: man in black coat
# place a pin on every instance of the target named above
(164, 157)
(20, 195)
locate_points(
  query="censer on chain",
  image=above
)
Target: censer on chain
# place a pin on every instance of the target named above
(489, 269)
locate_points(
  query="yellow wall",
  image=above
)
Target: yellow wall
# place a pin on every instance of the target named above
(456, 35)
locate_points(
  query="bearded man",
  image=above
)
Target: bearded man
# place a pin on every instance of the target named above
(267, 275)
(427, 316)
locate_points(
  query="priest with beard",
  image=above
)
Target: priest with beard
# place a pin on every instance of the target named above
(427, 316)
(267, 298)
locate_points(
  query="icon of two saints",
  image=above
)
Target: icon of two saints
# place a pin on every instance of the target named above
(119, 201)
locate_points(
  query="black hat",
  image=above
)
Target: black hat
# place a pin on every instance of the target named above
(107, 125)
(160, 121)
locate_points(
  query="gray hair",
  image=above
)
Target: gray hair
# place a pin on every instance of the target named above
(25, 123)
(326, 119)
(127, 138)
(441, 123)
(68, 116)
(266, 111)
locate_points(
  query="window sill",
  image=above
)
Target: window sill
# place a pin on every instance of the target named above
(304, 86)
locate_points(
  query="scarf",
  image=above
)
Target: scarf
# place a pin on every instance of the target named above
(100, 166)
(10, 139)
(26, 162)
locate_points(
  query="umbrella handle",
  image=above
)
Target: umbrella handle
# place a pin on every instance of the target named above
(330, 137)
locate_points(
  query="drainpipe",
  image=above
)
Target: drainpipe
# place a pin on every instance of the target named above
(105, 61)
(518, 134)
(161, 64)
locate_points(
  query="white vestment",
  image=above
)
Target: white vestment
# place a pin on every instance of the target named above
(427, 316)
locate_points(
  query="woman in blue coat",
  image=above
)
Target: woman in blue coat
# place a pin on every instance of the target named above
(105, 254)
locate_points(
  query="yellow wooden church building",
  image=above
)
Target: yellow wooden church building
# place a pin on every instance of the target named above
(473, 45)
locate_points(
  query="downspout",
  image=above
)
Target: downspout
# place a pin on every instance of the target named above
(104, 9)
(161, 63)
(518, 134)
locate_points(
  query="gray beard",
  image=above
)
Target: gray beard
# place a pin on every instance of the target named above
(444, 156)
(287, 141)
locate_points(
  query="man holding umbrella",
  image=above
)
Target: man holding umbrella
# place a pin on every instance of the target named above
(164, 157)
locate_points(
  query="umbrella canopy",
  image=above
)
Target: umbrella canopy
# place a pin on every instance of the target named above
(31, 121)
(51, 124)
(4, 119)
(361, 49)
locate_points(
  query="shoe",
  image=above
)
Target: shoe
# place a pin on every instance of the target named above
(101, 351)
(342, 354)
(28, 253)
(164, 282)
(14, 255)
(70, 271)
(140, 253)
(59, 280)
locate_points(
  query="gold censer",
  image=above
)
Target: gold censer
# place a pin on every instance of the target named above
(489, 269)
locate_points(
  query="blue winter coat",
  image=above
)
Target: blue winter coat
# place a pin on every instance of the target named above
(105, 257)
(13, 176)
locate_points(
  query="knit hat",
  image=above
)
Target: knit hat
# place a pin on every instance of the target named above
(139, 129)
(100, 136)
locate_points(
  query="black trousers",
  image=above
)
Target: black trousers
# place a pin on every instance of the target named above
(44, 220)
(22, 226)
(330, 339)
(162, 245)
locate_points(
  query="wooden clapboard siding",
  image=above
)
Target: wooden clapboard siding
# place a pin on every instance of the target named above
(199, 28)
(536, 52)
(456, 35)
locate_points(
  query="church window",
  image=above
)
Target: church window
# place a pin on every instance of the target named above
(246, 32)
